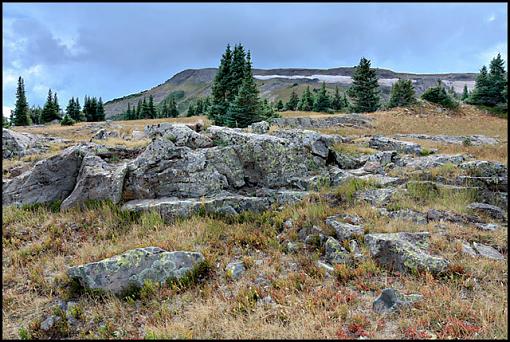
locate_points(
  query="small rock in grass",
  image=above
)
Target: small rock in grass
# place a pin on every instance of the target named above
(235, 269)
(391, 300)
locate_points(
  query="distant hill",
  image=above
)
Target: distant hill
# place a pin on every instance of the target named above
(274, 84)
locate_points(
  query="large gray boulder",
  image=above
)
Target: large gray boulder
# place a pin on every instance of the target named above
(261, 127)
(428, 162)
(51, 179)
(317, 143)
(404, 252)
(19, 144)
(484, 168)
(121, 273)
(179, 134)
(97, 180)
(165, 170)
(344, 231)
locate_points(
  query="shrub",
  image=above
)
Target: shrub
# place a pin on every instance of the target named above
(439, 96)
(67, 121)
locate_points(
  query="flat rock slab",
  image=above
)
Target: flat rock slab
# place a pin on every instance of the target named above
(389, 144)
(488, 251)
(487, 209)
(376, 197)
(344, 231)
(475, 140)
(405, 214)
(132, 268)
(356, 120)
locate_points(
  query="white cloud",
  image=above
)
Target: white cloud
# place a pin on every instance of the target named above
(491, 18)
(487, 55)
(6, 111)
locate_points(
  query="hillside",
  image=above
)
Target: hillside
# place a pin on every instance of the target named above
(277, 84)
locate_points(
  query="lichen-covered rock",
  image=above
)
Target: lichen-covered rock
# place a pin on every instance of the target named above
(347, 162)
(391, 300)
(338, 176)
(226, 161)
(103, 134)
(344, 231)
(164, 170)
(376, 197)
(171, 208)
(335, 253)
(97, 180)
(484, 168)
(405, 214)
(261, 127)
(179, 134)
(474, 140)
(317, 143)
(353, 120)
(389, 144)
(19, 144)
(132, 268)
(428, 162)
(235, 269)
(404, 252)
(443, 215)
(382, 180)
(487, 209)
(51, 179)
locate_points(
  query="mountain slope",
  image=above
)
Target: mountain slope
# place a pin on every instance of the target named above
(275, 84)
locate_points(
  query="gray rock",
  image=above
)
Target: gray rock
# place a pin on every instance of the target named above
(487, 209)
(344, 231)
(376, 197)
(487, 226)
(338, 176)
(484, 168)
(234, 270)
(97, 180)
(428, 162)
(288, 224)
(137, 135)
(405, 214)
(389, 144)
(335, 253)
(382, 180)
(132, 268)
(390, 300)
(488, 251)
(103, 134)
(345, 161)
(474, 140)
(49, 323)
(404, 252)
(327, 267)
(467, 249)
(19, 144)
(352, 120)
(179, 134)
(51, 179)
(261, 127)
(442, 215)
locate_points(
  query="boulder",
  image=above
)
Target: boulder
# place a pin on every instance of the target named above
(131, 269)
(19, 144)
(428, 162)
(405, 214)
(261, 127)
(376, 197)
(484, 168)
(97, 180)
(489, 210)
(335, 253)
(487, 251)
(443, 215)
(51, 179)
(352, 120)
(474, 140)
(344, 231)
(404, 252)
(103, 134)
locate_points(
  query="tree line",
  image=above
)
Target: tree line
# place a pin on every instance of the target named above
(145, 109)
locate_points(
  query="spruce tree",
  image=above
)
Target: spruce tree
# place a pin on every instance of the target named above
(100, 115)
(364, 90)
(191, 110)
(439, 95)
(481, 93)
(497, 78)
(21, 110)
(220, 89)
(402, 94)
(173, 111)
(279, 105)
(152, 109)
(36, 115)
(199, 108)
(293, 101)
(337, 103)
(322, 100)
(236, 76)
(245, 109)
(465, 93)
(306, 102)
(49, 110)
(139, 110)
(56, 106)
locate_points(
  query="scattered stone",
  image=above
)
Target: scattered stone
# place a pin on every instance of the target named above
(335, 253)
(345, 161)
(49, 322)
(288, 224)
(405, 214)
(234, 270)
(137, 135)
(443, 215)
(103, 134)
(488, 251)
(467, 249)
(428, 162)
(376, 197)
(344, 231)
(382, 180)
(391, 300)
(327, 267)
(261, 127)
(487, 226)
(121, 272)
(484, 168)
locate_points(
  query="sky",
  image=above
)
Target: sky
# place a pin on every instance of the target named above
(115, 49)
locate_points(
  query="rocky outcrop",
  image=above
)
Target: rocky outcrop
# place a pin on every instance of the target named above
(18, 144)
(404, 252)
(376, 197)
(489, 210)
(131, 269)
(351, 120)
(179, 134)
(431, 161)
(97, 180)
(474, 140)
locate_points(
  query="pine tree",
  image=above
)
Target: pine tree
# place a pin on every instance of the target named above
(293, 101)
(139, 110)
(322, 102)
(100, 115)
(245, 109)
(21, 111)
(402, 94)
(173, 111)
(481, 93)
(497, 78)
(306, 102)
(439, 95)
(191, 110)
(36, 115)
(364, 90)
(279, 105)
(465, 93)
(237, 72)
(56, 106)
(220, 89)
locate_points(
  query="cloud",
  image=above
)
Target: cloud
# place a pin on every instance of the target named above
(492, 17)
(6, 111)
(487, 55)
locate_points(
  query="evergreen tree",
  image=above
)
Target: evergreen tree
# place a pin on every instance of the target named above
(5, 122)
(100, 116)
(21, 110)
(220, 89)
(439, 95)
(152, 109)
(337, 102)
(245, 109)
(139, 110)
(199, 109)
(173, 111)
(67, 121)
(481, 93)
(50, 112)
(364, 90)
(36, 115)
(402, 94)
(56, 106)
(306, 102)
(279, 105)
(465, 93)
(191, 110)
(345, 103)
(293, 101)
(70, 107)
(497, 79)
(322, 102)
(266, 111)
(236, 75)
(145, 109)
(93, 109)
